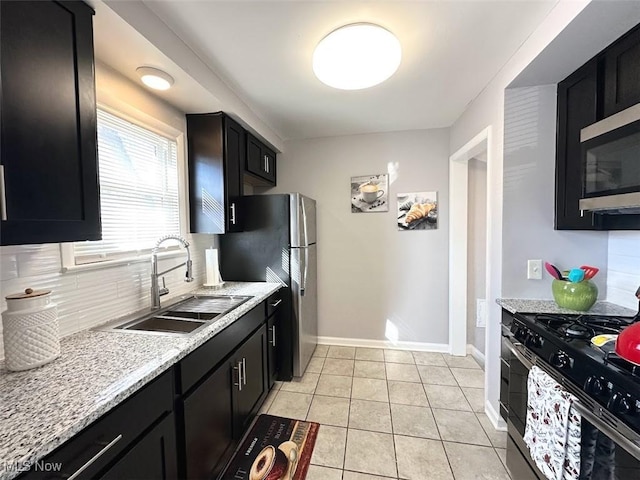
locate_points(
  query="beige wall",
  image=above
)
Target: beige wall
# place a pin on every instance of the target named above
(368, 271)
(476, 248)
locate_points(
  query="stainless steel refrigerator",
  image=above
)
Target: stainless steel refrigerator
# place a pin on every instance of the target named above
(278, 244)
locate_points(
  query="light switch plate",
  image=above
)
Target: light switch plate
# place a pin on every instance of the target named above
(534, 269)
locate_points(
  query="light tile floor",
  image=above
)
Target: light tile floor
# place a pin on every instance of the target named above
(391, 414)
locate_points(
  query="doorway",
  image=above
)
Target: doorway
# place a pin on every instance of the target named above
(475, 151)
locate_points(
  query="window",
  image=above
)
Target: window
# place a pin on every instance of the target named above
(139, 196)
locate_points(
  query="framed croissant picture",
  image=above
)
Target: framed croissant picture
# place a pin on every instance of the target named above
(418, 211)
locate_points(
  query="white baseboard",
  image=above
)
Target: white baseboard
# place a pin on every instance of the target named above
(362, 342)
(495, 418)
(477, 354)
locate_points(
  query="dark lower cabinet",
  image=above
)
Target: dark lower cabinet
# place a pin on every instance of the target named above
(223, 384)
(249, 365)
(184, 424)
(272, 350)
(135, 440)
(275, 336)
(48, 173)
(154, 456)
(208, 425)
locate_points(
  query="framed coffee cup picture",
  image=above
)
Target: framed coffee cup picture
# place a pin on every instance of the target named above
(370, 193)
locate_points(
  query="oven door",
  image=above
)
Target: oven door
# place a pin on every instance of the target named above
(605, 453)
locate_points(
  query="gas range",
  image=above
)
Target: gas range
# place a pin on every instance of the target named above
(564, 343)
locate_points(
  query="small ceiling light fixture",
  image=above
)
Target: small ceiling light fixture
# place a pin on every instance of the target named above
(154, 78)
(356, 56)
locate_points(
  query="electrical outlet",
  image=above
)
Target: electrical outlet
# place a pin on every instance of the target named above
(534, 269)
(481, 312)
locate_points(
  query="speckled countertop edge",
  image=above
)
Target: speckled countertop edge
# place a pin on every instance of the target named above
(44, 407)
(523, 305)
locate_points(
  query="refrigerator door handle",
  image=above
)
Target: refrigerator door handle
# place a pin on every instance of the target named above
(304, 274)
(304, 224)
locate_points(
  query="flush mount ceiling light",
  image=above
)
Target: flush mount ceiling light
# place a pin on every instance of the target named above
(357, 56)
(154, 78)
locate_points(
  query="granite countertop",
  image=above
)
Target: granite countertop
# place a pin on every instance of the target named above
(523, 305)
(42, 408)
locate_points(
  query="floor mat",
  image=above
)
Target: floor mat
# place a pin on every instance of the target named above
(276, 448)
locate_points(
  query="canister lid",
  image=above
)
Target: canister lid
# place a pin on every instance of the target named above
(28, 293)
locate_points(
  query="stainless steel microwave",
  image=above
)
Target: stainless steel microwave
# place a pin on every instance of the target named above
(611, 164)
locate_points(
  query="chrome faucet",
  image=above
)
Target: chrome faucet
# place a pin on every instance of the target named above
(156, 291)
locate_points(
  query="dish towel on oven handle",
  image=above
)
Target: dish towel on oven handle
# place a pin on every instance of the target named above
(552, 429)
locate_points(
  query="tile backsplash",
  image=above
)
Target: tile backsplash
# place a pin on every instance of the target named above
(623, 271)
(91, 297)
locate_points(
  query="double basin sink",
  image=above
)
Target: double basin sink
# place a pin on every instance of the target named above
(182, 318)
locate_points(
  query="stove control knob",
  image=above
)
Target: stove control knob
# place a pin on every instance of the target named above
(535, 341)
(521, 333)
(594, 386)
(620, 404)
(560, 360)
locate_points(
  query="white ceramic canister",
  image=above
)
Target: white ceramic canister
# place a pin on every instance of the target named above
(30, 330)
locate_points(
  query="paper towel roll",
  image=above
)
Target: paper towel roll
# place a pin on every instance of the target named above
(212, 267)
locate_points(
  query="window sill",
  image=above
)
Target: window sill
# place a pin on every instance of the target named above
(120, 262)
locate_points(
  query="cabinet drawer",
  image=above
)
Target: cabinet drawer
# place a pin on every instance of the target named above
(111, 435)
(196, 365)
(274, 302)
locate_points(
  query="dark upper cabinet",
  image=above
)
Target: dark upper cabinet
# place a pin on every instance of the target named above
(261, 162)
(577, 108)
(48, 123)
(622, 73)
(607, 84)
(216, 146)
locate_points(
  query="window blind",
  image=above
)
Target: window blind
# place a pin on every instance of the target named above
(138, 190)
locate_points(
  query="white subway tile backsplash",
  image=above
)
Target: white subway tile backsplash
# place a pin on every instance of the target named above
(36, 260)
(86, 299)
(623, 272)
(8, 266)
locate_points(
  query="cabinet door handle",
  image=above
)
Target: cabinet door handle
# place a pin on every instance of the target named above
(267, 159)
(233, 213)
(93, 459)
(244, 370)
(275, 304)
(273, 336)
(3, 195)
(239, 384)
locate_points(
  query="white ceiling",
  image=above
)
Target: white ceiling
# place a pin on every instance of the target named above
(262, 50)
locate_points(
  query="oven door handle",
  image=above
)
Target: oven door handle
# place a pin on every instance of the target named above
(612, 433)
(629, 445)
(524, 361)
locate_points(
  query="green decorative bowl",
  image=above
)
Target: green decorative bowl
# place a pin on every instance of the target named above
(576, 296)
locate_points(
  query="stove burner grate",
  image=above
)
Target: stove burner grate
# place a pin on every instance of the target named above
(581, 327)
(576, 330)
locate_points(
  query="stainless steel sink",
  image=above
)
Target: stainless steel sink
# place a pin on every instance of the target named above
(163, 324)
(183, 318)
